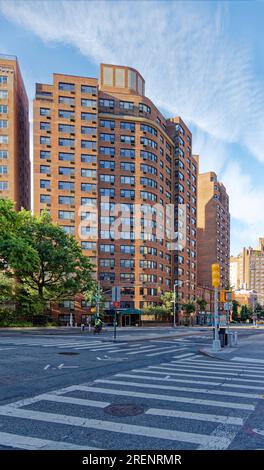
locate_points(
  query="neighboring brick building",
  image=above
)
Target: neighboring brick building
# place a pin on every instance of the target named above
(213, 230)
(105, 138)
(14, 134)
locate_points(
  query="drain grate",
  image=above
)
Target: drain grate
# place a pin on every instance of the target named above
(69, 353)
(124, 410)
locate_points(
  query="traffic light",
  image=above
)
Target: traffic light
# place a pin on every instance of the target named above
(226, 296)
(215, 275)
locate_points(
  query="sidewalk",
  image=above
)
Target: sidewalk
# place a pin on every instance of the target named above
(250, 346)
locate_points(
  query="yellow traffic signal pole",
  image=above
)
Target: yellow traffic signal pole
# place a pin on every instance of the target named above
(216, 282)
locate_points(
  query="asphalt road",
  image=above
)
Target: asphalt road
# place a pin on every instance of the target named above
(67, 390)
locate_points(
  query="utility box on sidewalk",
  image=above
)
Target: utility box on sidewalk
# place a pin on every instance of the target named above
(222, 335)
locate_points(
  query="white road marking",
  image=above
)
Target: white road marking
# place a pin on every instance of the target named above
(5, 349)
(184, 356)
(195, 416)
(173, 398)
(220, 367)
(165, 352)
(182, 366)
(34, 443)
(206, 441)
(144, 371)
(47, 366)
(179, 389)
(72, 400)
(230, 365)
(248, 359)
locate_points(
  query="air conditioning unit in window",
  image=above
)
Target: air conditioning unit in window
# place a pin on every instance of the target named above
(48, 117)
(48, 160)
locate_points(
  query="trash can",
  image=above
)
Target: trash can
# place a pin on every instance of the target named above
(222, 337)
(230, 339)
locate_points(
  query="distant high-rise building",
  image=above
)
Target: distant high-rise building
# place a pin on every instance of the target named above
(213, 229)
(14, 134)
(104, 138)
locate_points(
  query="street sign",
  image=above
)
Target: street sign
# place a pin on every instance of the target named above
(116, 304)
(227, 306)
(223, 320)
(115, 294)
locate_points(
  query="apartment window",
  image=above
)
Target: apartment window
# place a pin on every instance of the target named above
(3, 94)
(66, 200)
(69, 229)
(127, 263)
(129, 126)
(88, 144)
(3, 109)
(148, 182)
(65, 170)
(88, 173)
(44, 169)
(127, 166)
(45, 198)
(44, 154)
(88, 89)
(107, 192)
(107, 248)
(63, 113)
(3, 185)
(126, 105)
(129, 277)
(107, 164)
(107, 151)
(3, 79)
(107, 263)
(66, 100)
(127, 139)
(107, 276)
(88, 201)
(144, 108)
(108, 138)
(107, 103)
(45, 184)
(66, 142)
(128, 193)
(66, 215)
(45, 126)
(66, 185)
(45, 140)
(88, 130)
(127, 249)
(87, 245)
(88, 117)
(3, 170)
(44, 112)
(146, 128)
(65, 156)
(127, 153)
(148, 169)
(107, 178)
(148, 156)
(88, 158)
(67, 128)
(3, 154)
(107, 124)
(127, 180)
(148, 142)
(88, 187)
(66, 86)
(148, 195)
(88, 103)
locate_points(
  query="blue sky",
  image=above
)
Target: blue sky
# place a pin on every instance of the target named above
(201, 60)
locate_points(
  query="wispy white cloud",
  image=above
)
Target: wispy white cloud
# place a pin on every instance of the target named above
(191, 65)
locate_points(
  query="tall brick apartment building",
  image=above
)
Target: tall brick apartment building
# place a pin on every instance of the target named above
(97, 139)
(14, 134)
(213, 229)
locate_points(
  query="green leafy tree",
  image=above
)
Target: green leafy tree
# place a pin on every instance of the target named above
(46, 263)
(188, 309)
(167, 301)
(202, 303)
(244, 313)
(235, 305)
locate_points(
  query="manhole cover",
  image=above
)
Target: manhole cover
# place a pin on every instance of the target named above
(124, 410)
(69, 353)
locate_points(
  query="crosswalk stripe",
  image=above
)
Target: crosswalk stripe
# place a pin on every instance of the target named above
(204, 440)
(184, 367)
(195, 416)
(168, 370)
(34, 443)
(72, 400)
(184, 355)
(108, 346)
(179, 389)
(164, 352)
(220, 367)
(144, 371)
(230, 365)
(173, 398)
(248, 359)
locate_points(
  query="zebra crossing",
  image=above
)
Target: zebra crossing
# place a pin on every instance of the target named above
(135, 349)
(187, 403)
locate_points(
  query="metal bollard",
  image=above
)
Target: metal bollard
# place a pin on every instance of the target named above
(230, 339)
(235, 338)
